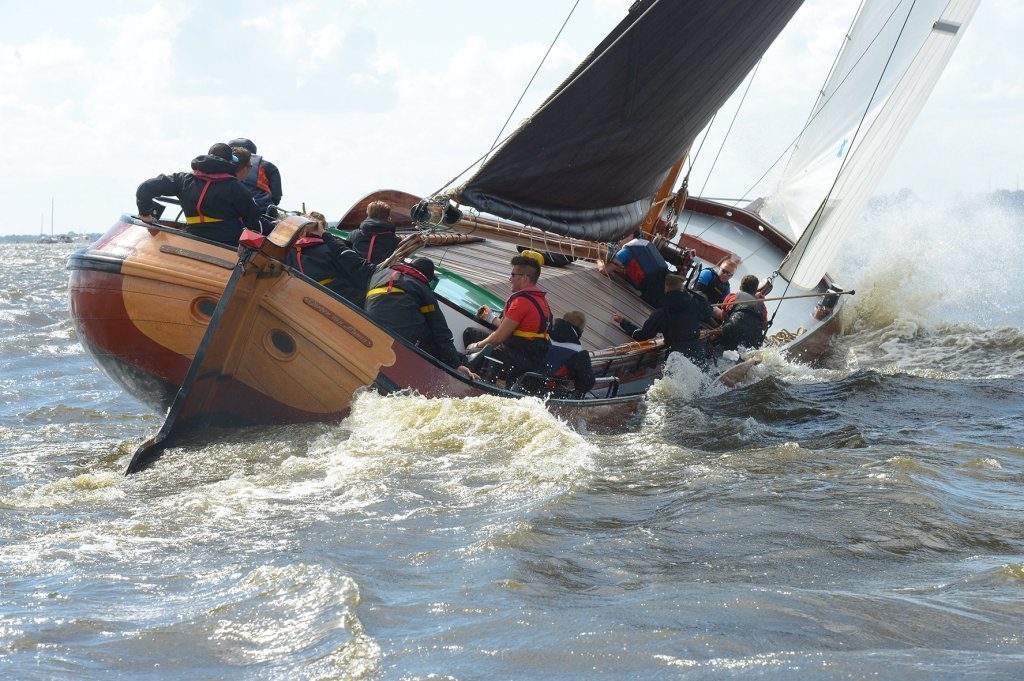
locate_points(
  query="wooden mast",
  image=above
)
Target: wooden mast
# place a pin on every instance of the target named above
(663, 196)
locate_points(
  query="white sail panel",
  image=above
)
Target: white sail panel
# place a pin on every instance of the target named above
(835, 158)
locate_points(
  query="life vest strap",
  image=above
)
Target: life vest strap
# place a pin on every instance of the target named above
(380, 290)
(530, 334)
(197, 219)
(427, 309)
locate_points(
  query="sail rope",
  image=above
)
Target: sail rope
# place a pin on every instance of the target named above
(735, 115)
(817, 217)
(498, 139)
(814, 113)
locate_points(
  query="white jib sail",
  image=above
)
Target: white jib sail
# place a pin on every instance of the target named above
(896, 51)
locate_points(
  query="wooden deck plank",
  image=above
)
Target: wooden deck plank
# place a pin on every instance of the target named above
(578, 286)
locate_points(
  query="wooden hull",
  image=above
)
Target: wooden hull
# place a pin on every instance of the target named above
(142, 298)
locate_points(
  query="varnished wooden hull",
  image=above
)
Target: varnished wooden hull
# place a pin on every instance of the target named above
(141, 300)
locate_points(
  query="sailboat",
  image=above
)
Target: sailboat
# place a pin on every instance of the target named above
(210, 335)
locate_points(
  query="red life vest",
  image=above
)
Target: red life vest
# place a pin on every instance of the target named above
(533, 327)
(305, 242)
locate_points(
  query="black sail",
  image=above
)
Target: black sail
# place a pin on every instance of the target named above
(589, 161)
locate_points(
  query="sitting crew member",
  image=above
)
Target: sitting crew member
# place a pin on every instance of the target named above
(327, 259)
(745, 318)
(375, 240)
(643, 266)
(566, 357)
(400, 299)
(521, 340)
(677, 320)
(263, 179)
(216, 204)
(715, 285)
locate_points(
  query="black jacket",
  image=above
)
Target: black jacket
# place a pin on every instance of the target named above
(399, 298)
(329, 261)
(678, 320)
(744, 325)
(226, 207)
(375, 240)
(567, 358)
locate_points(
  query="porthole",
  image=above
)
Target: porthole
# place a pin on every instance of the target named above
(280, 344)
(202, 308)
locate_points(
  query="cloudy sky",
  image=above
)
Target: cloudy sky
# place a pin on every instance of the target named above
(349, 97)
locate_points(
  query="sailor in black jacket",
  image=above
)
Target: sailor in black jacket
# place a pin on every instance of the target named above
(566, 357)
(400, 299)
(327, 259)
(677, 320)
(745, 318)
(375, 240)
(216, 205)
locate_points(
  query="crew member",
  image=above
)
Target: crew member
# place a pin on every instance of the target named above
(400, 298)
(521, 340)
(215, 203)
(715, 285)
(642, 265)
(263, 179)
(566, 357)
(325, 258)
(677, 320)
(745, 318)
(375, 240)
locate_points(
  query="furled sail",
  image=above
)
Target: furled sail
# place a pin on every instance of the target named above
(896, 51)
(588, 161)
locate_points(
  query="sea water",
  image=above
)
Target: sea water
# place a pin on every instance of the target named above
(862, 518)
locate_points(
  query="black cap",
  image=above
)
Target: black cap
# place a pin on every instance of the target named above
(223, 152)
(244, 143)
(426, 266)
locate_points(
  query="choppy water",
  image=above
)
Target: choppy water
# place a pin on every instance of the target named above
(860, 519)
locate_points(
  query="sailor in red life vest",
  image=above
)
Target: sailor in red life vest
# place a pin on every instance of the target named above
(216, 205)
(566, 358)
(400, 299)
(642, 265)
(521, 340)
(263, 179)
(375, 240)
(329, 260)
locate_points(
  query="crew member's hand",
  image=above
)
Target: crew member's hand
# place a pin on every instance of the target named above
(483, 312)
(617, 318)
(148, 218)
(464, 370)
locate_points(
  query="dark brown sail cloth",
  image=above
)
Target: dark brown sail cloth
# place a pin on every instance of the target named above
(589, 160)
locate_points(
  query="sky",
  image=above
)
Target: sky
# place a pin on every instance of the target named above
(350, 97)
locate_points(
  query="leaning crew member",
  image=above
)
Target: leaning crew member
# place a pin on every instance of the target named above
(566, 357)
(715, 284)
(745, 318)
(215, 203)
(677, 320)
(263, 179)
(521, 340)
(400, 298)
(642, 265)
(327, 259)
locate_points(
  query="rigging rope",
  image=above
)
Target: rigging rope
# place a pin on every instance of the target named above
(511, 113)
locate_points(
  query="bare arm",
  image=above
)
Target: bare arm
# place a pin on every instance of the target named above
(498, 336)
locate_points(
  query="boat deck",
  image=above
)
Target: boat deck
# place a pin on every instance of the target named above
(577, 286)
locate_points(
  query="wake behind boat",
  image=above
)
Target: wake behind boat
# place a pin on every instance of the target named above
(212, 335)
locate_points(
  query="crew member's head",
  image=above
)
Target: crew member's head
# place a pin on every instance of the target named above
(525, 271)
(243, 163)
(673, 282)
(244, 143)
(320, 223)
(425, 266)
(749, 284)
(726, 268)
(577, 319)
(221, 151)
(379, 210)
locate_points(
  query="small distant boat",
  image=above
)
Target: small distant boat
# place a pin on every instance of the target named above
(211, 335)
